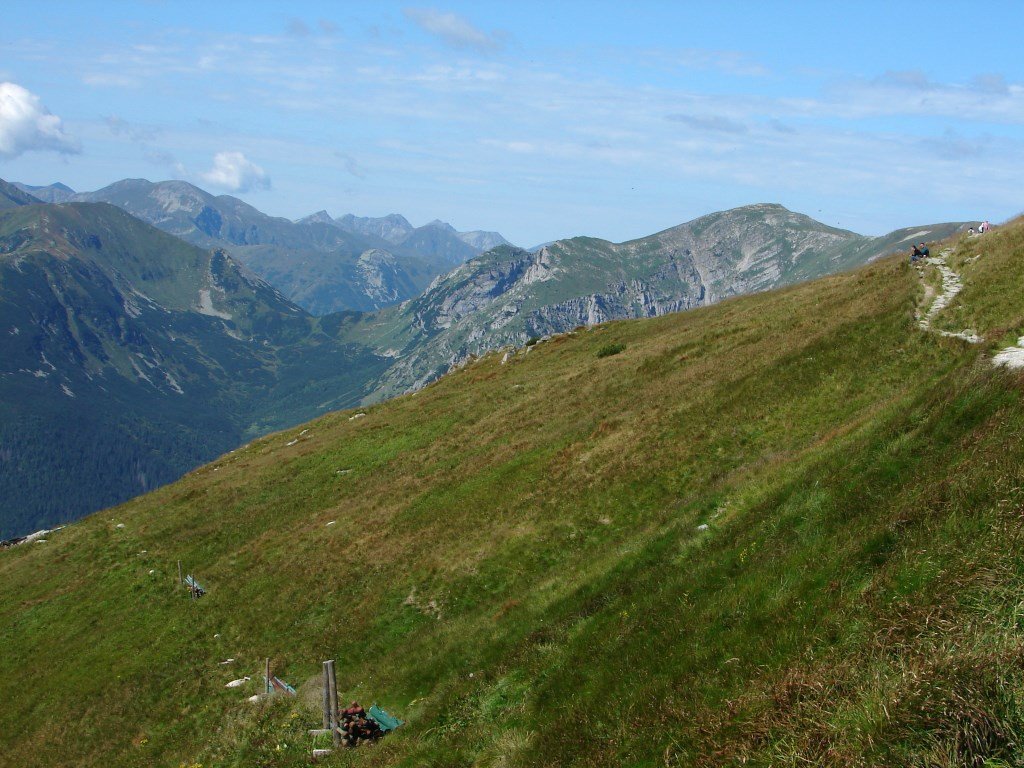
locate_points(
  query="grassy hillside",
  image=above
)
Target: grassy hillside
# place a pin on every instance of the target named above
(781, 530)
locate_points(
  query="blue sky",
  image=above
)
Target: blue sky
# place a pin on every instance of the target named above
(539, 120)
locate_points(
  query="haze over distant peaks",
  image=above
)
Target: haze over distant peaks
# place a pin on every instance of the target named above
(12, 196)
(394, 227)
(51, 193)
(317, 261)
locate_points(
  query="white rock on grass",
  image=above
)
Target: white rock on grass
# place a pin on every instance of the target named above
(1011, 357)
(37, 536)
(237, 683)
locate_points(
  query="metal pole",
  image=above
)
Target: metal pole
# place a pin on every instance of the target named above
(267, 678)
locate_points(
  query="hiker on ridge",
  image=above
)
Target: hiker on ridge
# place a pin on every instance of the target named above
(915, 254)
(925, 253)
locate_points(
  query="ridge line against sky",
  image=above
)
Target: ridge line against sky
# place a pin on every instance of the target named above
(536, 120)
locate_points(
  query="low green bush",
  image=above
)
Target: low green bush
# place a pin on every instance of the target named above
(610, 349)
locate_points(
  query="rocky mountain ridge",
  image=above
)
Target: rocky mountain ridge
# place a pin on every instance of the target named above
(508, 296)
(316, 261)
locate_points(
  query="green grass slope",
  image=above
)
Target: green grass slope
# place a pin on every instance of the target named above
(782, 530)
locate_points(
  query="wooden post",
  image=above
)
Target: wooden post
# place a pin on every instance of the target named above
(267, 678)
(181, 579)
(327, 697)
(333, 686)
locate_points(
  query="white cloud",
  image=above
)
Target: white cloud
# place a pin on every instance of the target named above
(234, 172)
(27, 125)
(454, 30)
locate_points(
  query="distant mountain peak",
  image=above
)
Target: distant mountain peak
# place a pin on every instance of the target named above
(393, 228)
(482, 240)
(52, 193)
(320, 217)
(11, 196)
(438, 224)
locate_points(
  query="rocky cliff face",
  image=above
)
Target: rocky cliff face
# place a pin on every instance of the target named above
(508, 296)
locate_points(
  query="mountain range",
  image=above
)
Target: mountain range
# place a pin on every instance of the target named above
(130, 355)
(508, 296)
(323, 264)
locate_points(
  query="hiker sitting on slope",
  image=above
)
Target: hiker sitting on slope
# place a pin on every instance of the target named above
(915, 254)
(925, 253)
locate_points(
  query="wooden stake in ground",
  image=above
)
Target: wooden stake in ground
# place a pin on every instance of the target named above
(181, 579)
(327, 697)
(267, 678)
(333, 689)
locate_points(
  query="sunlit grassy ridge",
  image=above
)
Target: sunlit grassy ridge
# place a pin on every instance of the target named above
(519, 567)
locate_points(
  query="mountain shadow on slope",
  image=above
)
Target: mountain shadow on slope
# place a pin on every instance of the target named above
(128, 356)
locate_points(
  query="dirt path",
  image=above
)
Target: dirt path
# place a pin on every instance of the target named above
(951, 286)
(1010, 357)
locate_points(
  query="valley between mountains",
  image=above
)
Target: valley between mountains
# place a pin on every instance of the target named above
(140, 339)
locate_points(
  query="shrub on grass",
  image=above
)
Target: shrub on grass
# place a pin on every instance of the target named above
(610, 349)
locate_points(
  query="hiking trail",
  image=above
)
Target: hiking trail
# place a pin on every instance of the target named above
(952, 284)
